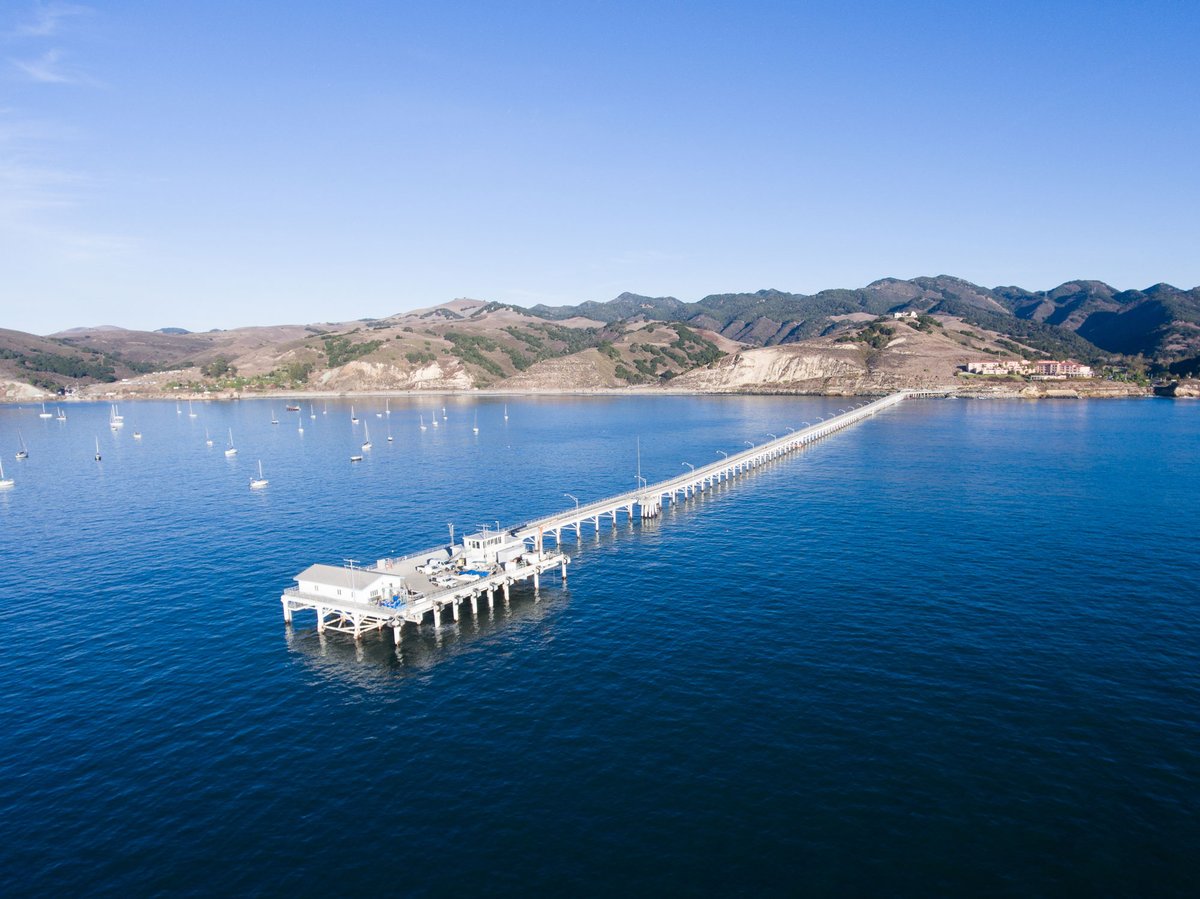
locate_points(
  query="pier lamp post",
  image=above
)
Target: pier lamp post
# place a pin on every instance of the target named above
(791, 430)
(772, 436)
(806, 423)
(723, 453)
(748, 443)
(689, 465)
(569, 496)
(842, 411)
(641, 482)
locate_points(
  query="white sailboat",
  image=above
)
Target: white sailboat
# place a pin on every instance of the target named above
(62, 416)
(115, 420)
(191, 414)
(389, 432)
(353, 417)
(178, 411)
(44, 413)
(137, 435)
(422, 419)
(274, 420)
(232, 450)
(311, 413)
(367, 434)
(434, 418)
(387, 407)
(259, 482)
(325, 411)
(356, 458)
(300, 424)
(5, 483)
(97, 449)
(23, 452)
(506, 411)
(475, 427)
(207, 439)
(444, 416)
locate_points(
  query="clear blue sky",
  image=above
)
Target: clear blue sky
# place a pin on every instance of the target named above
(214, 164)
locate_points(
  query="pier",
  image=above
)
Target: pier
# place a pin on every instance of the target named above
(423, 586)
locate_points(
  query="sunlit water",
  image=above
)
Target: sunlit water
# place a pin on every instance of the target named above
(953, 649)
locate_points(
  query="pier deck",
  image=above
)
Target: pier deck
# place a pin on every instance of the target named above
(411, 588)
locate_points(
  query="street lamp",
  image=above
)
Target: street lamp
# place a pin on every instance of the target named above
(790, 430)
(772, 436)
(569, 496)
(806, 423)
(690, 465)
(723, 453)
(641, 481)
(748, 443)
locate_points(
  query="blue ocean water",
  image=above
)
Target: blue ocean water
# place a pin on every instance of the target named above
(954, 649)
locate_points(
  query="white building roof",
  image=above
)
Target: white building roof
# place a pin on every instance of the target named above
(338, 576)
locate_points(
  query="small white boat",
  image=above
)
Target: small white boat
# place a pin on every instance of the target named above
(23, 452)
(299, 425)
(435, 421)
(232, 450)
(311, 412)
(353, 417)
(207, 439)
(5, 483)
(274, 420)
(191, 414)
(422, 418)
(367, 435)
(325, 411)
(62, 416)
(444, 416)
(506, 411)
(178, 411)
(44, 413)
(115, 420)
(137, 435)
(389, 432)
(259, 482)
(97, 449)
(387, 407)
(356, 458)
(475, 427)
(379, 415)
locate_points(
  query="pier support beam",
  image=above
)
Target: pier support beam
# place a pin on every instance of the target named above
(396, 628)
(454, 608)
(491, 594)
(287, 612)
(320, 620)
(474, 603)
(437, 617)
(564, 570)
(537, 584)
(506, 592)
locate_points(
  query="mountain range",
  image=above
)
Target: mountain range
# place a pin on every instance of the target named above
(631, 339)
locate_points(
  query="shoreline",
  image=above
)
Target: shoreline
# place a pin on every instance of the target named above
(314, 395)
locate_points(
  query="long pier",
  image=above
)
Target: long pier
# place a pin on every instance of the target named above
(413, 588)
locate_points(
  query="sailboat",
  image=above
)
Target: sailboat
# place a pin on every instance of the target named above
(62, 416)
(444, 416)
(178, 411)
(97, 449)
(367, 434)
(353, 417)
(232, 451)
(311, 413)
(44, 413)
(259, 482)
(387, 407)
(274, 420)
(191, 414)
(476, 426)
(389, 432)
(115, 419)
(207, 439)
(506, 411)
(379, 415)
(325, 411)
(137, 435)
(300, 424)
(422, 418)
(23, 452)
(5, 483)
(434, 418)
